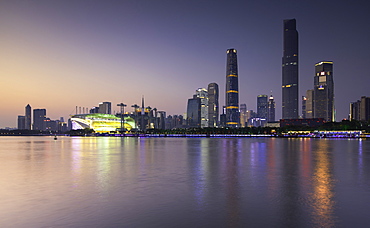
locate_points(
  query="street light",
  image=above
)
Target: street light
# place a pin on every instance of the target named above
(122, 105)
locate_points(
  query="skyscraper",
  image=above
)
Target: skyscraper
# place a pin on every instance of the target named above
(213, 105)
(262, 106)
(232, 89)
(271, 109)
(193, 112)
(27, 121)
(308, 113)
(243, 115)
(323, 105)
(105, 107)
(39, 117)
(202, 94)
(290, 70)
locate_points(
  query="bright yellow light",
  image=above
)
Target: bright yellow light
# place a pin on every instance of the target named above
(232, 91)
(232, 75)
(232, 107)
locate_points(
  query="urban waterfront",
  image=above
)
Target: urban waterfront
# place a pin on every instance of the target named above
(184, 182)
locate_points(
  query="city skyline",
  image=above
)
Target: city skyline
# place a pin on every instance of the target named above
(58, 55)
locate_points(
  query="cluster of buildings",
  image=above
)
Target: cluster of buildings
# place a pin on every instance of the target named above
(203, 109)
(36, 119)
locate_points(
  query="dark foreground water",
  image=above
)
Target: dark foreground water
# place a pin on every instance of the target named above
(184, 182)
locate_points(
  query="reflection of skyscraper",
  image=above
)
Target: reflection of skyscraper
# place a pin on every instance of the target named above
(39, 117)
(28, 122)
(324, 91)
(213, 105)
(271, 109)
(232, 91)
(262, 106)
(290, 70)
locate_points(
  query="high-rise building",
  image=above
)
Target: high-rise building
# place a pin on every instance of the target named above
(307, 113)
(360, 110)
(21, 123)
(39, 118)
(202, 94)
(323, 102)
(243, 115)
(28, 121)
(271, 109)
(193, 112)
(213, 105)
(290, 70)
(232, 89)
(262, 105)
(105, 107)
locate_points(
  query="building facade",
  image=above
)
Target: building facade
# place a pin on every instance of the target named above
(193, 112)
(202, 94)
(290, 70)
(262, 104)
(323, 102)
(307, 111)
(39, 118)
(105, 107)
(28, 120)
(360, 110)
(271, 109)
(232, 89)
(213, 105)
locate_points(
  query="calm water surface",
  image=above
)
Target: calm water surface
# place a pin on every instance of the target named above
(184, 182)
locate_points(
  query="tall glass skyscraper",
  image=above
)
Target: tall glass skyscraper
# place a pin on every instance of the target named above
(262, 106)
(290, 70)
(232, 89)
(323, 92)
(28, 121)
(213, 105)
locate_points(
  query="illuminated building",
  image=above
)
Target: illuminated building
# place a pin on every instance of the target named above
(290, 71)
(105, 107)
(213, 105)
(271, 109)
(307, 110)
(262, 106)
(202, 94)
(243, 115)
(39, 117)
(232, 89)
(27, 121)
(100, 123)
(323, 105)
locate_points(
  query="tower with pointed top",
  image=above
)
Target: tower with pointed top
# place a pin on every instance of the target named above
(232, 89)
(28, 121)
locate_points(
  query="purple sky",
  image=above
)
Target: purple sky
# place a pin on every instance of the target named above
(62, 54)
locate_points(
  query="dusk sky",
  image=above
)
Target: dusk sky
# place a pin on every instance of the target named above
(62, 54)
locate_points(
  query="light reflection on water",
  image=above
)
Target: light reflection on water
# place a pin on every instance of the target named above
(183, 182)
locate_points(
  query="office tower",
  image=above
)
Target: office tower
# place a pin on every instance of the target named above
(213, 105)
(105, 107)
(28, 122)
(323, 105)
(290, 70)
(223, 117)
(262, 104)
(202, 94)
(193, 112)
(21, 122)
(232, 89)
(308, 113)
(360, 110)
(243, 115)
(304, 107)
(39, 117)
(271, 109)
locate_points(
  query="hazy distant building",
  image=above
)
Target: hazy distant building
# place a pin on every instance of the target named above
(232, 89)
(105, 107)
(323, 105)
(28, 120)
(271, 109)
(193, 112)
(202, 94)
(21, 122)
(290, 70)
(307, 111)
(39, 117)
(243, 115)
(360, 110)
(262, 105)
(213, 105)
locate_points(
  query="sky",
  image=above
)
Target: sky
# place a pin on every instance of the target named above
(62, 54)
